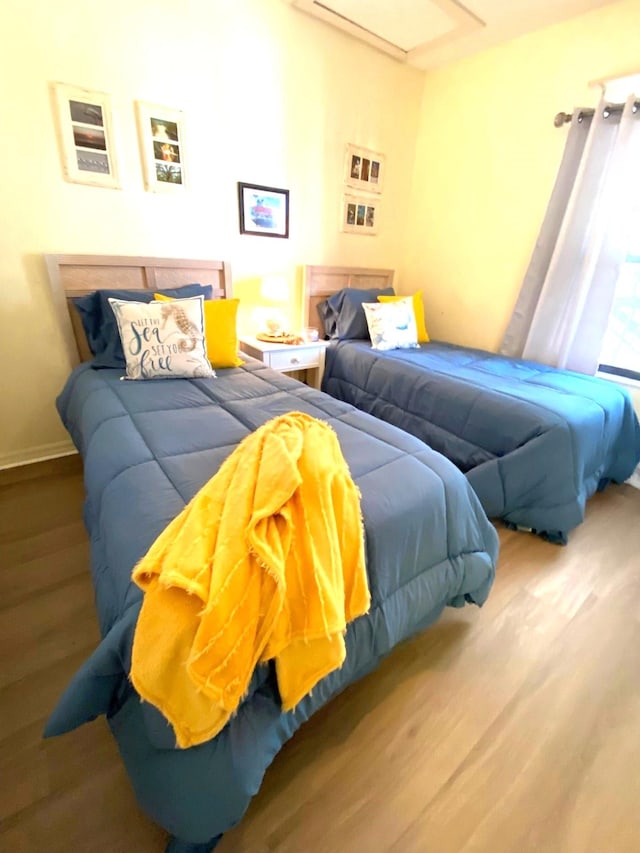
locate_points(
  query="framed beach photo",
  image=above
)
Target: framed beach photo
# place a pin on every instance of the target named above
(263, 210)
(85, 135)
(360, 214)
(162, 147)
(364, 169)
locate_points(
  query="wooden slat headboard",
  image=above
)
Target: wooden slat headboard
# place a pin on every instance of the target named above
(76, 275)
(321, 281)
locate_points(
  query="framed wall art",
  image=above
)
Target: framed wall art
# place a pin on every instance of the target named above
(364, 169)
(360, 214)
(85, 135)
(263, 210)
(162, 147)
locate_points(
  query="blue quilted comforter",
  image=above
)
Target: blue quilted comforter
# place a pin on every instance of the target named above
(148, 447)
(535, 442)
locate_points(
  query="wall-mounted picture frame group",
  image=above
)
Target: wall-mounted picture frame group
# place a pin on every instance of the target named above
(364, 169)
(85, 135)
(263, 210)
(360, 214)
(162, 147)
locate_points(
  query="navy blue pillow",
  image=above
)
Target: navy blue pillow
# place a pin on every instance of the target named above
(99, 321)
(343, 315)
(327, 319)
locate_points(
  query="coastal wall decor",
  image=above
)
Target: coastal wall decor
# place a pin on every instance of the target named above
(85, 135)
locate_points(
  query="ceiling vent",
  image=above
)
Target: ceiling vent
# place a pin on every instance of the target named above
(405, 29)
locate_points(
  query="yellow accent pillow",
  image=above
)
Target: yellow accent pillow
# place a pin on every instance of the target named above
(220, 331)
(418, 310)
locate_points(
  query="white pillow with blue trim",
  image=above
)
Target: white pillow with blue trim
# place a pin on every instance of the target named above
(392, 325)
(163, 340)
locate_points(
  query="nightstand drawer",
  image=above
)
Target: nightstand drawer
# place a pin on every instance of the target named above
(305, 360)
(294, 360)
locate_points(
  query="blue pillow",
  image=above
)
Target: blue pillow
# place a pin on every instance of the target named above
(99, 321)
(327, 319)
(343, 315)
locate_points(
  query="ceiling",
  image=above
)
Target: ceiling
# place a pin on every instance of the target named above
(429, 33)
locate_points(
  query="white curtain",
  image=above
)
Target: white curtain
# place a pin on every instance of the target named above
(563, 308)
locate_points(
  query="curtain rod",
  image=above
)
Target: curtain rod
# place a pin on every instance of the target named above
(609, 109)
(565, 118)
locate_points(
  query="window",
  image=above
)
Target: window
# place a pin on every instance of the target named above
(620, 353)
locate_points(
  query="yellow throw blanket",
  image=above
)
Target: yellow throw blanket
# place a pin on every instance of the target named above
(266, 562)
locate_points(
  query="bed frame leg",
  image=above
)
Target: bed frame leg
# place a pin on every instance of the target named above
(175, 845)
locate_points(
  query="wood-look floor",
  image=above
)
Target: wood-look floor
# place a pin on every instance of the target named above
(511, 729)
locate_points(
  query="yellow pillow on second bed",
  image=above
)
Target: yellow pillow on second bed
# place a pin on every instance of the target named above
(418, 310)
(220, 331)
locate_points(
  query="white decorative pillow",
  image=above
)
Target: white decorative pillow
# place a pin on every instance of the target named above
(392, 325)
(163, 340)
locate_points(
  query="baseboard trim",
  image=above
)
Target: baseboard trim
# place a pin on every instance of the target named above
(59, 466)
(42, 453)
(634, 479)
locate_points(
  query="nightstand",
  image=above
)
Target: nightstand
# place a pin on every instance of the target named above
(287, 358)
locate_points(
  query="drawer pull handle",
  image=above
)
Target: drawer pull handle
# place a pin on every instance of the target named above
(294, 360)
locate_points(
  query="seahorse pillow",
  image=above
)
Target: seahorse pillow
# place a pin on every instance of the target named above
(392, 325)
(220, 333)
(162, 340)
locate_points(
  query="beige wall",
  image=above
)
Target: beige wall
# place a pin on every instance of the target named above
(270, 96)
(487, 155)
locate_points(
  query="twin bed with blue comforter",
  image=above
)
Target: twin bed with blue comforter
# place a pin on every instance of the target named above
(535, 442)
(148, 447)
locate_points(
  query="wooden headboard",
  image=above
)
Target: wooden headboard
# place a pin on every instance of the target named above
(320, 282)
(76, 275)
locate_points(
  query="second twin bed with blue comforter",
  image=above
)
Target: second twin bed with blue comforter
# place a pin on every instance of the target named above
(534, 442)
